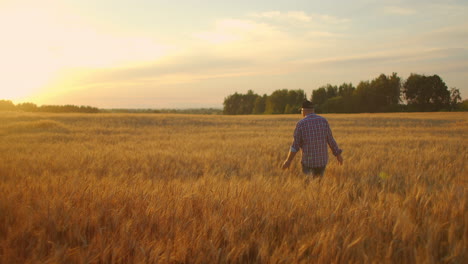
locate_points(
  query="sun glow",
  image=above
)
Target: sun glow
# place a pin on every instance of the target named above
(27, 60)
(25, 73)
(25, 85)
(41, 47)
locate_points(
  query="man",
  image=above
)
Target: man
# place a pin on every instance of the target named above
(312, 134)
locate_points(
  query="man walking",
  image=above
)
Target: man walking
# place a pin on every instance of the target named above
(312, 135)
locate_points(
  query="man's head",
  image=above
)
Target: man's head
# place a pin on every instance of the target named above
(307, 107)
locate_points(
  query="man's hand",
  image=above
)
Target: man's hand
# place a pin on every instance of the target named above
(286, 164)
(340, 159)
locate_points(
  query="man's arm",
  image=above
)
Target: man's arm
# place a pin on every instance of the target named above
(296, 145)
(334, 146)
(288, 160)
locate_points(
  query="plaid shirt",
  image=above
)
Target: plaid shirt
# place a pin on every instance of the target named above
(312, 134)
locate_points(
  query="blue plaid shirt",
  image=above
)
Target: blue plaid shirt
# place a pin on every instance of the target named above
(312, 134)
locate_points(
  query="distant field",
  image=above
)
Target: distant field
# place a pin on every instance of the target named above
(168, 188)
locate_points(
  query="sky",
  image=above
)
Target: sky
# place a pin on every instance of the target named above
(194, 53)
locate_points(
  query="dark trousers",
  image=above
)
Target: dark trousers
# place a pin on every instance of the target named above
(315, 172)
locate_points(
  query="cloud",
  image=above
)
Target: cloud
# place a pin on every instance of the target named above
(228, 31)
(69, 40)
(456, 34)
(174, 71)
(397, 56)
(290, 15)
(261, 46)
(436, 9)
(247, 39)
(329, 19)
(300, 16)
(396, 10)
(231, 48)
(269, 36)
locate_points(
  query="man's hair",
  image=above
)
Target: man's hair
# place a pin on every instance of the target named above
(307, 104)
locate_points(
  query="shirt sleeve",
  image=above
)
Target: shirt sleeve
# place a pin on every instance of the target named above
(297, 143)
(332, 143)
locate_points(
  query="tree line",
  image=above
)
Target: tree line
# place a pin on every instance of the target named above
(279, 102)
(7, 105)
(419, 93)
(194, 111)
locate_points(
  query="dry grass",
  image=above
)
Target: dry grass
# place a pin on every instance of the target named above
(117, 188)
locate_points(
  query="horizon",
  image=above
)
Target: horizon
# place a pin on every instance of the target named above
(191, 54)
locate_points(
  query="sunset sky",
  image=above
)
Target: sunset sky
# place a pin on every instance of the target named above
(194, 53)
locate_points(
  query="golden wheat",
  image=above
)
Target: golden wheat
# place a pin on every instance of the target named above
(123, 188)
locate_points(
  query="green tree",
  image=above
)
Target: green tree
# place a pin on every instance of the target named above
(294, 100)
(455, 98)
(332, 91)
(247, 103)
(27, 107)
(365, 97)
(463, 106)
(289, 109)
(336, 105)
(426, 93)
(385, 93)
(382, 94)
(232, 104)
(260, 104)
(346, 90)
(319, 97)
(276, 102)
(7, 105)
(240, 104)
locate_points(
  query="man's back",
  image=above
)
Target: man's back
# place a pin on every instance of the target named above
(312, 134)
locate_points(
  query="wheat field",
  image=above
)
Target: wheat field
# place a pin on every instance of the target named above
(168, 188)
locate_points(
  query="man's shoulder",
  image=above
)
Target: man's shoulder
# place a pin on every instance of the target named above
(312, 118)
